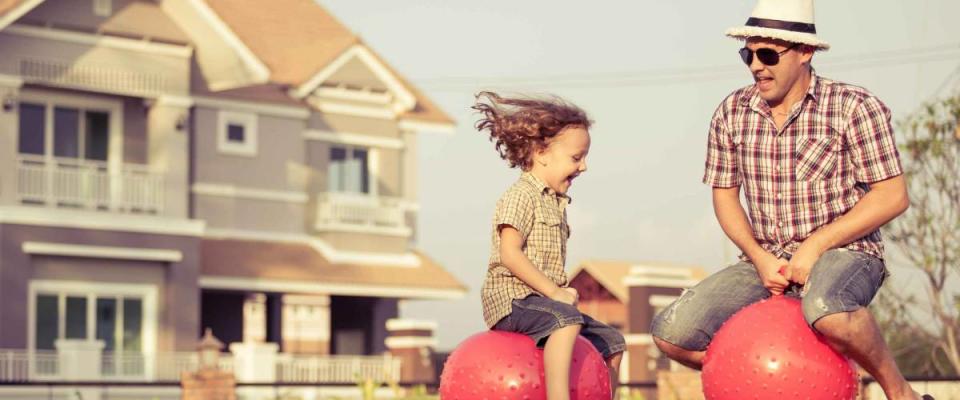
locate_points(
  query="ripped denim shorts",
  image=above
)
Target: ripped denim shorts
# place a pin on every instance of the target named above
(841, 281)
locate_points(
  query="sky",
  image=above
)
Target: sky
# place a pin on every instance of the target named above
(650, 74)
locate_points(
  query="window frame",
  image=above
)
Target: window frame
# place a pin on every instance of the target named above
(91, 291)
(51, 100)
(249, 122)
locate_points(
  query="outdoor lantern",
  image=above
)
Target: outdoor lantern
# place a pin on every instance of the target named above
(209, 349)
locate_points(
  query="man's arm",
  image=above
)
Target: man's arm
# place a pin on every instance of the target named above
(885, 201)
(733, 220)
(512, 257)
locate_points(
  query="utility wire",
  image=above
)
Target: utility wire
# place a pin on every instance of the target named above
(670, 76)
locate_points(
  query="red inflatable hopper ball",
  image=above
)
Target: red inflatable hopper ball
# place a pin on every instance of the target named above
(767, 351)
(498, 365)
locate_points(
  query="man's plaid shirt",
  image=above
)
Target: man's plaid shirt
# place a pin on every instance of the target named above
(835, 142)
(539, 214)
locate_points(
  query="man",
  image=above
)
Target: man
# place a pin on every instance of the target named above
(821, 173)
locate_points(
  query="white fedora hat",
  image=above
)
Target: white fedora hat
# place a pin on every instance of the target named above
(790, 20)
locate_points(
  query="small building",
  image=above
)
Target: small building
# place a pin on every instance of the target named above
(627, 295)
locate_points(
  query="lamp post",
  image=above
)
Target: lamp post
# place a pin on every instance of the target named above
(209, 349)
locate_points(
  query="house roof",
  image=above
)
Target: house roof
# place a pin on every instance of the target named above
(297, 39)
(297, 263)
(294, 38)
(10, 10)
(144, 20)
(610, 274)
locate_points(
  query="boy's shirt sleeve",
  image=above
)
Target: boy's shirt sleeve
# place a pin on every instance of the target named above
(516, 208)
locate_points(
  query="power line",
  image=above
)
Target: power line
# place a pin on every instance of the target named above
(670, 76)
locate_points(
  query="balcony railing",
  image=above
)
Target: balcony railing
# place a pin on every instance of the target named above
(337, 369)
(359, 212)
(44, 365)
(89, 185)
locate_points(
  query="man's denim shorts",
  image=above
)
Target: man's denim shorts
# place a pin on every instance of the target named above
(840, 281)
(537, 317)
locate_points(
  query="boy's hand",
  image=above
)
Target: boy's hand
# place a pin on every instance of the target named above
(567, 295)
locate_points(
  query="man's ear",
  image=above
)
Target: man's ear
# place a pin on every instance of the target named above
(806, 53)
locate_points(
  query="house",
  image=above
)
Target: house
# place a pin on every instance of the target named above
(173, 165)
(627, 295)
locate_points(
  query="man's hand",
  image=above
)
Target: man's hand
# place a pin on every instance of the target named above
(769, 267)
(567, 295)
(802, 262)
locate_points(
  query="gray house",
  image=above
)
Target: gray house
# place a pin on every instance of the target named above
(173, 165)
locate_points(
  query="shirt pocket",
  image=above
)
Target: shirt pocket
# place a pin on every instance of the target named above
(817, 156)
(548, 237)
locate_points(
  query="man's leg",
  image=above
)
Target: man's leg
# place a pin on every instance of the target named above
(841, 285)
(856, 334)
(683, 330)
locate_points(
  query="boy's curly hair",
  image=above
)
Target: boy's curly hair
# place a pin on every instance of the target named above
(520, 126)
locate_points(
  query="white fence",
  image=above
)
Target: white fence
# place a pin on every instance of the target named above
(91, 185)
(337, 369)
(29, 366)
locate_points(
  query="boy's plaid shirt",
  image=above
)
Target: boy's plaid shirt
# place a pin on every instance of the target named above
(835, 142)
(539, 214)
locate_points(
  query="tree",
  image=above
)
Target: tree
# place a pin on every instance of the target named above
(923, 330)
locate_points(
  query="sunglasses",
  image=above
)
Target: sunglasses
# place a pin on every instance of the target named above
(766, 56)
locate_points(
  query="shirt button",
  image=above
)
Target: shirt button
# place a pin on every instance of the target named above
(778, 195)
(780, 224)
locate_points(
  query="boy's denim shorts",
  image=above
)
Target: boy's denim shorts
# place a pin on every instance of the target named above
(840, 281)
(537, 317)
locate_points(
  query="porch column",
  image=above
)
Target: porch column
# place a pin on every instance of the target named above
(255, 362)
(651, 288)
(9, 134)
(306, 324)
(79, 359)
(168, 128)
(414, 343)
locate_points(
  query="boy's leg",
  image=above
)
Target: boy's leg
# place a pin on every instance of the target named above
(610, 343)
(556, 323)
(841, 285)
(613, 368)
(556, 361)
(683, 330)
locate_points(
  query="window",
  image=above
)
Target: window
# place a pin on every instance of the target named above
(120, 318)
(237, 133)
(76, 132)
(349, 170)
(32, 128)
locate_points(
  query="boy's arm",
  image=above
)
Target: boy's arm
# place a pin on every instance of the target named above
(512, 257)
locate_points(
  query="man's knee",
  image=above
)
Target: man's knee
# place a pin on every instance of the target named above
(670, 349)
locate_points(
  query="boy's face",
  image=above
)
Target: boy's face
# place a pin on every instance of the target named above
(564, 158)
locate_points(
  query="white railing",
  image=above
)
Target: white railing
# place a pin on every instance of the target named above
(337, 369)
(23, 365)
(43, 365)
(91, 185)
(154, 367)
(360, 212)
(109, 78)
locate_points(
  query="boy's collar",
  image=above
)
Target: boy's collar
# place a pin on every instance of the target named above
(541, 186)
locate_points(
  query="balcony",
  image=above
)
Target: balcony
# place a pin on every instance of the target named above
(88, 185)
(44, 366)
(361, 213)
